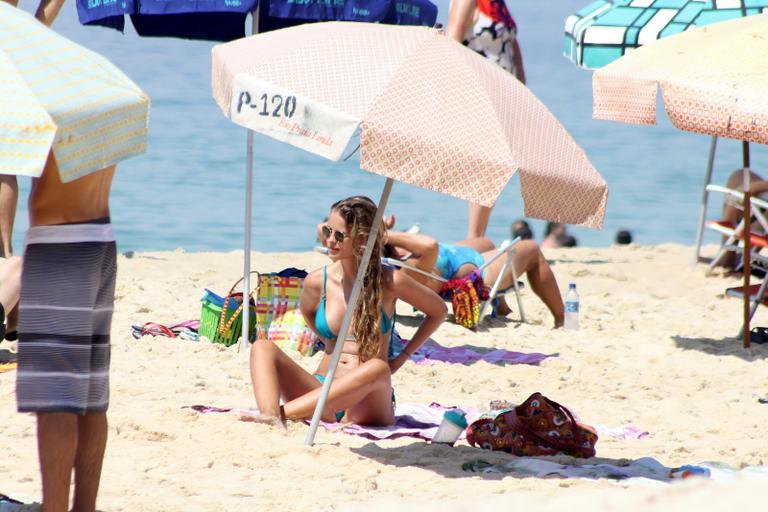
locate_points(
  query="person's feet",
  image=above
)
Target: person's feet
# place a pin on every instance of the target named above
(272, 421)
(502, 308)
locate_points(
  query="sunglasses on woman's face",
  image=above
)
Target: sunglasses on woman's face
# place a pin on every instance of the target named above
(339, 236)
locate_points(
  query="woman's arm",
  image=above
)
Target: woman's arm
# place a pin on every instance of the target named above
(459, 18)
(423, 250)
(415, 243)
(426, 301)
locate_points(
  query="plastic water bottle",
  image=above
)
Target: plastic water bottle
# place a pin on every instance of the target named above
(571, 309)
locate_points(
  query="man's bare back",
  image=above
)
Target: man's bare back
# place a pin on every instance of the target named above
(54, 202)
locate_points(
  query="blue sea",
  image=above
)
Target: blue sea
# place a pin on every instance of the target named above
(188, 190)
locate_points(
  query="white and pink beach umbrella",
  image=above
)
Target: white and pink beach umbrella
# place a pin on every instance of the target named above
(713, 81)
(428, 111)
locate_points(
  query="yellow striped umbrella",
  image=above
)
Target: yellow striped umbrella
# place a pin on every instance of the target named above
(55, 94)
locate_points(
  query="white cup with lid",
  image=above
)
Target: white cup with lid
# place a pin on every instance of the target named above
(453, 424)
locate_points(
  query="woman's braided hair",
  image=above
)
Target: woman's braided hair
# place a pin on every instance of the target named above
(358, 212)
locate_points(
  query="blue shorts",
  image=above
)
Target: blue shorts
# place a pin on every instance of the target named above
(450, 258)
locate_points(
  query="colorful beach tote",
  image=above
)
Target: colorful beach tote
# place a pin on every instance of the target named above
(465, 295)
(277, 312)
(538, 426)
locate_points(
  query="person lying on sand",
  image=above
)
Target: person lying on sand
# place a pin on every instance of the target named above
(457, 260)
(362, 387)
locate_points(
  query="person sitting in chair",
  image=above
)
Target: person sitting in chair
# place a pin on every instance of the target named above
(459, 259)
(362, 388)
(733, 212)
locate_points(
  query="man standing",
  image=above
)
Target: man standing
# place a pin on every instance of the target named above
(67, 297)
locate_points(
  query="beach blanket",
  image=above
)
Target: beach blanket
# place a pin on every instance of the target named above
(431, 352)
(411, 420)
(415, 420)
(645, 467)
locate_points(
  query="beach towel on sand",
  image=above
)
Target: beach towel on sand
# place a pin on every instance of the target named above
(413, 420)
(645, 468)
(431, 352)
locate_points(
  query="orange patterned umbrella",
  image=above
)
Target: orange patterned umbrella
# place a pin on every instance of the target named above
(713, 81)
(431, 113)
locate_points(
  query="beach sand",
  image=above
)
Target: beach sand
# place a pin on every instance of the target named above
(656, 350)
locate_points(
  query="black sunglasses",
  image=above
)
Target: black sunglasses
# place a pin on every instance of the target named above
(338, 235)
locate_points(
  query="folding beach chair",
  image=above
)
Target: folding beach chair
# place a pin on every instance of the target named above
(734, 234)
(506, 249)
(757, 292)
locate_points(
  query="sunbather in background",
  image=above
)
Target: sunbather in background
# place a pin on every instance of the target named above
(362, 388)
(458, 259)
(733, 212)
(757, 185)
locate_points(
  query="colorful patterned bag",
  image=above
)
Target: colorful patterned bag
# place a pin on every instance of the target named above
(465, 295)
(539, 426)
(277, 312)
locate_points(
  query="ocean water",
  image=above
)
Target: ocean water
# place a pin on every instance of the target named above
(187, 191)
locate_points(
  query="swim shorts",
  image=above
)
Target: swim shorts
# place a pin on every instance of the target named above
(65, 317)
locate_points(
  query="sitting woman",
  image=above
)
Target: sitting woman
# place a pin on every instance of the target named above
(362, 388)
(455, 261)
(733, 211)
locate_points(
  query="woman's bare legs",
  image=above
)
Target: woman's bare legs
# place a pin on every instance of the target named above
(529, 259)
(365, 390)
(478, 220)
(275, 374)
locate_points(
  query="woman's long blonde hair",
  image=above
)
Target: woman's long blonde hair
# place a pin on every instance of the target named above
(358, 212)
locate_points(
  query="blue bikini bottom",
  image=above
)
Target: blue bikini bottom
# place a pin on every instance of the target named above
(340, 414)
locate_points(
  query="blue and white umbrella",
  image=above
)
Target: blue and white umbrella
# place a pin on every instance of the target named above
(605, 30)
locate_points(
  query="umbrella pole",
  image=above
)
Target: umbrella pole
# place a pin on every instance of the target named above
(704, 199)
(747, 236)
(347, 320)
(248, 215)
(247, 238)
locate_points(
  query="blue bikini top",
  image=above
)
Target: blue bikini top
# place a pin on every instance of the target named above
(321, 323)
